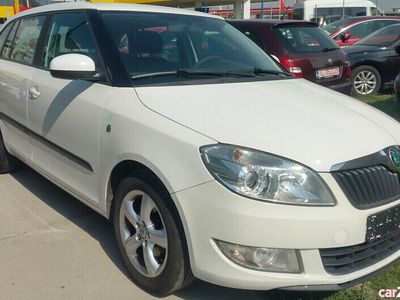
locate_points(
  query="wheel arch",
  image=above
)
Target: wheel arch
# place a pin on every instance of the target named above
(369, 63)
(125, 167)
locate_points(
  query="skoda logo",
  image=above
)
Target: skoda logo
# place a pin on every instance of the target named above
(394, 155)
(330, 61)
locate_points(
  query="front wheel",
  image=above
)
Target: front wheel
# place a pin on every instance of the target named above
(365, 80)
(148, 237)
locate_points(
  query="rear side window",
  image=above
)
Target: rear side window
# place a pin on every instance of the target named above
(69, 33)
(4, 35)
(304, 39)
(26, 38)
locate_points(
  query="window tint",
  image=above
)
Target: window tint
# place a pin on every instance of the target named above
(158, 42)
(362, 29)
(26, 39)
(384, 37)
(4, 34)
(304, 39)
(251, 35)
(337, 25)
(69, 33)
(298, 14)
(334, 11)
(8, 44)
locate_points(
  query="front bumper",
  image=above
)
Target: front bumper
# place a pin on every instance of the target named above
(209, 211)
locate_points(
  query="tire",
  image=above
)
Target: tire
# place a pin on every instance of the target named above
(7, 162)
(144, 224)
(365, 80)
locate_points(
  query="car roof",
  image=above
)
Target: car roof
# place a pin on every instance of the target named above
(365, 18)
(110, 7)
(273, 22)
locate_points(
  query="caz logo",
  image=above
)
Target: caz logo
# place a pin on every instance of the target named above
(389, 293)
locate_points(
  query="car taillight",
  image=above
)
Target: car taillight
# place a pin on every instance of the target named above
(347, 70)
(291, 66)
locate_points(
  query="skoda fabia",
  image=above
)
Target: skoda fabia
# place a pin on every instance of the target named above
(210, 160)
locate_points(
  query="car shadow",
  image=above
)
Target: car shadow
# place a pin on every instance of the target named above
(101, 230)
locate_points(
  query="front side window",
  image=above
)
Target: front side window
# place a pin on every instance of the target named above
(337, 25)
(304, 39)
(26, 39)
(298, 14)
(159, 42)
(69, 33)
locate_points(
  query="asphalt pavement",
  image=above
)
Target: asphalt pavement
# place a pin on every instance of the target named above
(54, 247)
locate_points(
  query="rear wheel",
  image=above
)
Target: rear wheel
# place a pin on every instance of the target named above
(365, 80)
(148, 237)
(7, 161)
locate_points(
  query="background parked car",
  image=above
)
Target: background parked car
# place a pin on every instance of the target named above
(325, 20)
(397, 88)
(375, 60)
(348, 31)
(303, 49)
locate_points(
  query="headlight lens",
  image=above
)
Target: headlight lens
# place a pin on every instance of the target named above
(264, 176)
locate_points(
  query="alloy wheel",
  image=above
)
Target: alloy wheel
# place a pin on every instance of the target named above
(143, 233)
(365, 82)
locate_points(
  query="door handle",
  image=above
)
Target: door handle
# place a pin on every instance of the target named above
(34, 92)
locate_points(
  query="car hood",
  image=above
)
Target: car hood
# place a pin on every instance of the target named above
(292, 118)
(360, 49)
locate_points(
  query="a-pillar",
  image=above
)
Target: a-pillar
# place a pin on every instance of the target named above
(242, 9)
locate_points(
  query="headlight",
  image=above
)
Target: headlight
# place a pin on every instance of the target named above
(265, 177)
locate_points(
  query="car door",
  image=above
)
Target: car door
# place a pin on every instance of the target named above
(16, 66)
(66, 115)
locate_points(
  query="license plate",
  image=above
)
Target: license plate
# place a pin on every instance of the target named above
(328, 73)
(383, 224)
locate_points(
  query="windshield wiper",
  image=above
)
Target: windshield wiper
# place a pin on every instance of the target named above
(194, 73)
(259, 71)
(329, 49)
(155, 74)
(187, 73)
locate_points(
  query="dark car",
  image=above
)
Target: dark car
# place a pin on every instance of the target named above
(348, 31)
(375, 61)
(303, 49)
(397, 88)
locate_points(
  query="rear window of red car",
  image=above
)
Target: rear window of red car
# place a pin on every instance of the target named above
(304, 39)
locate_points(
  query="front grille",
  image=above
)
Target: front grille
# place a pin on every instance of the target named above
(345, 260)
(369, 187)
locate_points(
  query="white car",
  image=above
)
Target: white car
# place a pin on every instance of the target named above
(209, 159)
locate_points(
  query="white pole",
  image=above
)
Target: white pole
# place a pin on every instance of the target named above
(343, 10)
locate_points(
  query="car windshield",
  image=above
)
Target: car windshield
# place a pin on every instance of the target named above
(304, 39)
(163, 45)
(337, 25)
(384, 37)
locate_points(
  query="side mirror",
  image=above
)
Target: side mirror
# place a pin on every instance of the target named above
(73, 66)
(345, 36)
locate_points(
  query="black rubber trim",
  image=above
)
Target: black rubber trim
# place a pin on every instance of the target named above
(378, 158)
(341, 286)
(65, 153)
(116, 69)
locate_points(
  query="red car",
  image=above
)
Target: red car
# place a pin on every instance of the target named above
(303, 49)
(347, 31)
